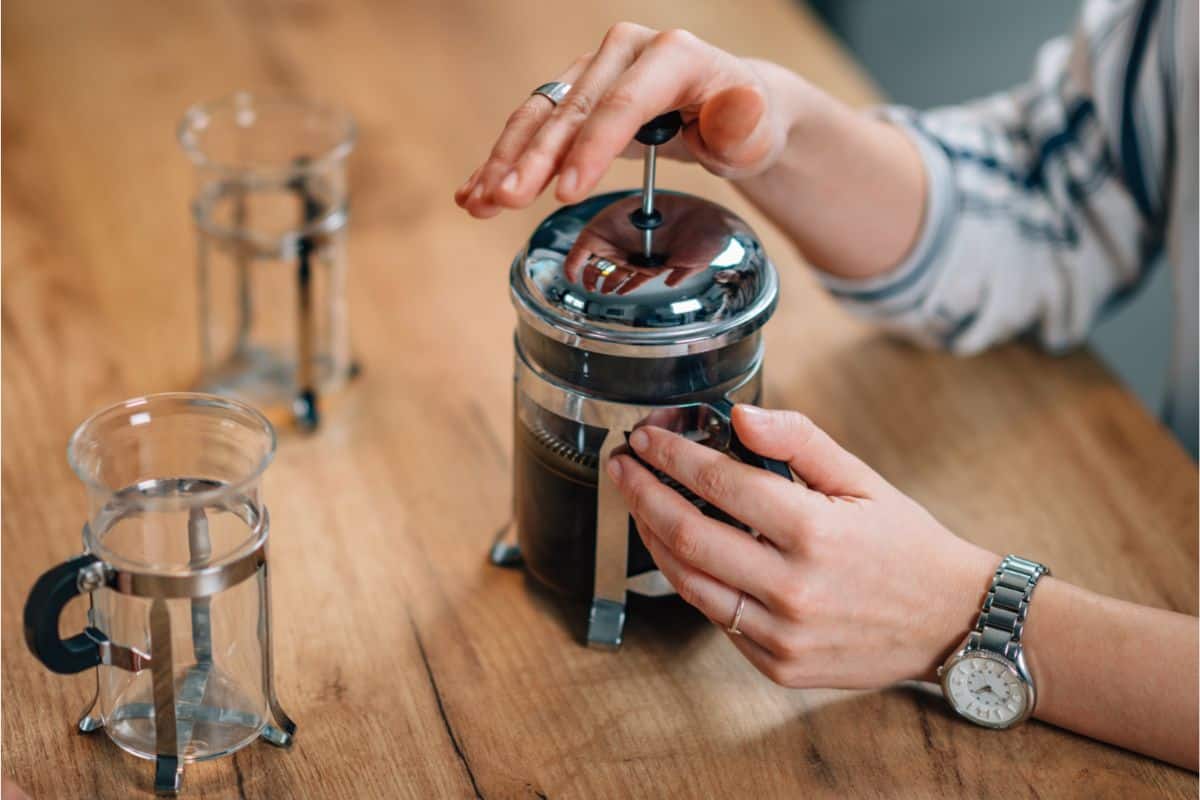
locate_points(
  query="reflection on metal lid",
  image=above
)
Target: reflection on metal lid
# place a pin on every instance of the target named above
(731, 256)
(685, 306)
(583, 274)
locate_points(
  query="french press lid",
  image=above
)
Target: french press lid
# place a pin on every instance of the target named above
(643, 273)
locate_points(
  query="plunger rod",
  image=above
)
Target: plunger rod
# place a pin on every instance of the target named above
(648, 164)
(655, 132)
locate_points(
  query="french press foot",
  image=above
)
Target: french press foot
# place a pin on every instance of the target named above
(88, 723)
(505, 552)
(606, 624)
(606, 620)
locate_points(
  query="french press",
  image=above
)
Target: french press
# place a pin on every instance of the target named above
(271, 212)
(631, 308)
(175, 565)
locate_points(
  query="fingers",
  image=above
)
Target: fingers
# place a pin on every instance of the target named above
(711, 597)
(476, 194)
(729, 555)
(594, 272)
(667, 74)
(733, 133)
(819, 461)
(607, 277)
(541, 158)
(634, 282)
(575, 261)
(636, 74)
(762, 658)
(766, 502)
(679, 274)
(617, 280)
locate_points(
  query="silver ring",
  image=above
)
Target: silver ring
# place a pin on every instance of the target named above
(733, 630)
(554, 91)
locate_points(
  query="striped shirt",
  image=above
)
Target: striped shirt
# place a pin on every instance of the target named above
(1048, 204)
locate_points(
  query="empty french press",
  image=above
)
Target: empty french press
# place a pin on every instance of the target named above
(631, 308)
(175, 566)
(271, 212)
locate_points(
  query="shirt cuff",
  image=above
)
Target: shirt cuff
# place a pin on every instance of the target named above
(907, 279)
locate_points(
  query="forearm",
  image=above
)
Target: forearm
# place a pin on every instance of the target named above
(1115, 671)
(848, 189)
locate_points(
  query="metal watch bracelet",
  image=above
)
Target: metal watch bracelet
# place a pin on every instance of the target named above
(1002, 619)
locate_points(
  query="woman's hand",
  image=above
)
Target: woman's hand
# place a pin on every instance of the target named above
(851, 583)
(735, 124)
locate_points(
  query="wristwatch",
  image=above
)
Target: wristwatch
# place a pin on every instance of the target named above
(987, 680)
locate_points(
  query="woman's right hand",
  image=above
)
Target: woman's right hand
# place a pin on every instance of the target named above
(734, 124)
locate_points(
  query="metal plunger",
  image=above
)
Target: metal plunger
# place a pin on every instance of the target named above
(655, 132)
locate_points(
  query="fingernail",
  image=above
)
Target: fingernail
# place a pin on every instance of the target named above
(639, 441)
(477, 192)
(614, 469)
(568, 180)
(753, 414)
(467, 182)
(510, 181)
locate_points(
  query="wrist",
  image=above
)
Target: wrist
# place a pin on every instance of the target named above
(957, 604)
(835, 166)
(798, 108)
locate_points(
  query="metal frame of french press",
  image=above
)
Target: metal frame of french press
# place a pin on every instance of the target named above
(317, 226)
(172, 731)
(606, 618)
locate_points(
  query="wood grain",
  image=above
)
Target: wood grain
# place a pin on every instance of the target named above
(414, 668)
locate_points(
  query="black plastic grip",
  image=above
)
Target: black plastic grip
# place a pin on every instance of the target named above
(661, 129)
(745, 454)
(44, 606)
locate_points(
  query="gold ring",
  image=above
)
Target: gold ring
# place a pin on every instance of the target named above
(737, 616)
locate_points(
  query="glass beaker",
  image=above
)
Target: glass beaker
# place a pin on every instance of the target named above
(175, 562)
(271, 214)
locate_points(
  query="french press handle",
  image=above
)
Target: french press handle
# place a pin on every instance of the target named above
(47, 599)
(747, 456)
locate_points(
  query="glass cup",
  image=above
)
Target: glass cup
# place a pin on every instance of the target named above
(271, 212)
(175, 563)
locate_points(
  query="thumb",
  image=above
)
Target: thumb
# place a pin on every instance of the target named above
(812, 454)
(733, 130)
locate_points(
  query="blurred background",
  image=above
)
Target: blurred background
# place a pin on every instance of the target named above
(926, 53)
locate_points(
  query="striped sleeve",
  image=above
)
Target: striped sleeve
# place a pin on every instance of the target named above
(1044, 204)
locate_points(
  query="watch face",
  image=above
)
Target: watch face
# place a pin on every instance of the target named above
(986, 689)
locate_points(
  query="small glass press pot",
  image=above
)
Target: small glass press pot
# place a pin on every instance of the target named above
(175, 564)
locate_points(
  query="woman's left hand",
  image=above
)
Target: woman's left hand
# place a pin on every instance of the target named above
(851, 584)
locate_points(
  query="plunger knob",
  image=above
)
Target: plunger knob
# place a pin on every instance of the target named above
(661, 129)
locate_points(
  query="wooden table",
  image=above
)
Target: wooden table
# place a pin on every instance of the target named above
(414, 668)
